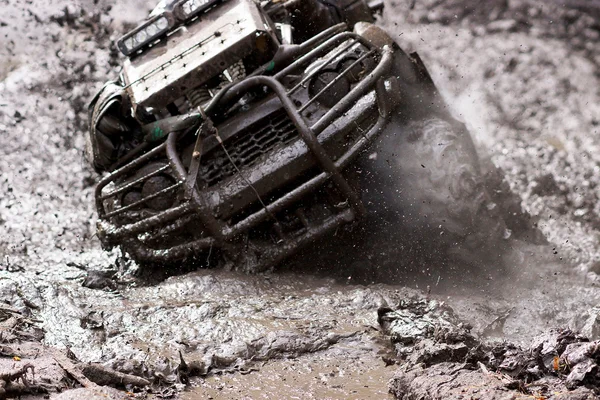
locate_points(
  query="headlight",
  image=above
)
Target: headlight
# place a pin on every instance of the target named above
(186, 9)
(146, 33)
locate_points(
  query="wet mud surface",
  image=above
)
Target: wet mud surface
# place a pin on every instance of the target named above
(350, 369)
(522, 75)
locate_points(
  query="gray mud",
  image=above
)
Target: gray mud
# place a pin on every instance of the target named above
(441, 359)
(308, 332)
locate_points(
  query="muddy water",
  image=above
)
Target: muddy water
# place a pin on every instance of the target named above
(345, 371)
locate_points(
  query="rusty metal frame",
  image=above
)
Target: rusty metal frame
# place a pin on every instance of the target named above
(195, 205)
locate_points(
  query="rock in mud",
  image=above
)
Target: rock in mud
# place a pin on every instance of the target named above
(449, 381)
(580, 362)
(26, 366)
(591, 327)
(101, 280)
(446, 361)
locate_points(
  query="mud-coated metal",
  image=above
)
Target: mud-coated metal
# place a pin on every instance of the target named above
(307, 135)
(210, 222)
(196, 53)
(112, 177)
(192, 204)
(338, 78)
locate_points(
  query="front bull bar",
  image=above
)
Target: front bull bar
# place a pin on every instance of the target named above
(219, 233)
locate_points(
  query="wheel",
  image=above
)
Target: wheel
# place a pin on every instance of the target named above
(422, 185)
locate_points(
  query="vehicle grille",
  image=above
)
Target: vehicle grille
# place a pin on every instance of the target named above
(246, 148)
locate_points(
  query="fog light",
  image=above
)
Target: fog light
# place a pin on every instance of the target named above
(155, 185)
(329, 88)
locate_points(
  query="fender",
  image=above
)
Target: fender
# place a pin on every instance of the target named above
(112, 93)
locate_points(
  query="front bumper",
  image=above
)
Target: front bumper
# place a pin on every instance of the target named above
(221, 217)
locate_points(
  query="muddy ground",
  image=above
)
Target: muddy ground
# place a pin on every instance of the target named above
(523, 76)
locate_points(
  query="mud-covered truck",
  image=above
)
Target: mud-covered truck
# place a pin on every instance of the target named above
(240, 131)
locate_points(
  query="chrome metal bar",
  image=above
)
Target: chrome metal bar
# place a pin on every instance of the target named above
(129, 156)
(150, 222)
(213, 226)
(172, 253)
(327, 33)
(178, 224)
(384, 115)
(322, 50)
(279, 204)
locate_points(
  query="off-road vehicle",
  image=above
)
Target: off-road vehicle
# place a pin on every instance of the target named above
(241, 131)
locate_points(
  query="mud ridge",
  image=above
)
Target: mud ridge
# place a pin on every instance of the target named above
(442, 359)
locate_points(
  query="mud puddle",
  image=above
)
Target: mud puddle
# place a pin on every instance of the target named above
(350, 369)
(219, 322)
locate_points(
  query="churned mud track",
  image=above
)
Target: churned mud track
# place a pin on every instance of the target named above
(506, 70)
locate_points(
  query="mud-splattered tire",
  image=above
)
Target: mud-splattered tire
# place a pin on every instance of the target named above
(422, 179)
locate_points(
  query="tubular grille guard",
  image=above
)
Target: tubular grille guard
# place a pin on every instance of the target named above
(221, 234)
